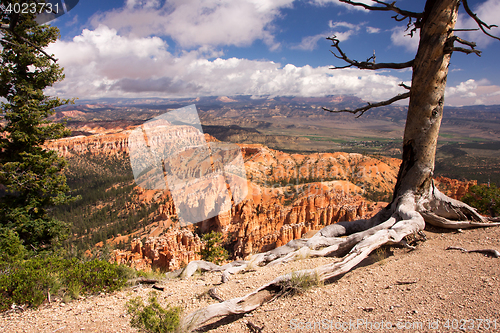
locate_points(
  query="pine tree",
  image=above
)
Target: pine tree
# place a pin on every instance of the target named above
(31, 179)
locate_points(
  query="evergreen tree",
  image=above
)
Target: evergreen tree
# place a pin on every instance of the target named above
(31, 179)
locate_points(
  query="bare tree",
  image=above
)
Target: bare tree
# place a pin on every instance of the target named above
(416, 200)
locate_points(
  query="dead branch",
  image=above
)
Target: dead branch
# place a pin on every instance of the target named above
(451, 48)
(488, 252)
(386, 7)
(368, 64)
(254, 328)
(145, 280)
(463, 41)
(212, 292)
(475, 29)
(157, 287)
(404, 86)
(482, 25)
(463, 50)
(402, 283)
(372, 105)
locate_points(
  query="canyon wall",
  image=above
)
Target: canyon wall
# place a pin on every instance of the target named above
(289, 196)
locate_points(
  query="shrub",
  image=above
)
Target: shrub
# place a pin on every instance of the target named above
(11, 247)
(153, 318)
(213, 251)
(485, 198)
(30, 281)
(94, 276)
(300, 282)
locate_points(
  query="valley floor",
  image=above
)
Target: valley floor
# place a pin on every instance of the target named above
(426, 290)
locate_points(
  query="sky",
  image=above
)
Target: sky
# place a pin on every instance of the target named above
(191, 48)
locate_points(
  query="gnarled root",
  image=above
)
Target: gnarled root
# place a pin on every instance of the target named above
(404, 221)
(444, 212)
(405, 216)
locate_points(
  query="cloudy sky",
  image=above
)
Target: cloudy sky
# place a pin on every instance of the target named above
(185, 48)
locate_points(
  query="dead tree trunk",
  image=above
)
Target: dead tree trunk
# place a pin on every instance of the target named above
(416, 200)
(425, 111)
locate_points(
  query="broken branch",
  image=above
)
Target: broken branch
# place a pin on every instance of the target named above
(452, 48)
(368, 64)
(404, 86)
(482, 25)
(463, 50)
(488, 252)
(254, 328)
(386, 7)
(212, 292)
(372, 105)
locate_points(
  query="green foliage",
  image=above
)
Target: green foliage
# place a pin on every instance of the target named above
(485, 198)
(94, 276)
(30, 176)
(11, 248)
(29, 282)
(105, 185)
(153, 318)
(213, 250)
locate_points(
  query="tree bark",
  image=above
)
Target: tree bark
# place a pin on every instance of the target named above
(425, 111)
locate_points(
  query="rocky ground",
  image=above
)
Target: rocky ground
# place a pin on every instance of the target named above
(428, 289)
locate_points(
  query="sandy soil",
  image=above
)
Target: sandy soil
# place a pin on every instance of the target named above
(428, 289)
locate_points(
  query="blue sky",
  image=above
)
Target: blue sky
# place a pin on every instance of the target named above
(189, 48)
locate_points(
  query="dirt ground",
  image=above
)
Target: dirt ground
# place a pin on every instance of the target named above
(429, 289)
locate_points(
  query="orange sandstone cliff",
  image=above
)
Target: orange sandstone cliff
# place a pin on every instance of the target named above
(289, 196)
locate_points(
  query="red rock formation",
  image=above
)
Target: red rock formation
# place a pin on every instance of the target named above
(454, 188)
(289, 195)
(171, 251)
(109, 144)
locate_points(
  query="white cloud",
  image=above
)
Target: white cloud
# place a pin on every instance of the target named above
(464, 89)
(489, 12)
(347, 25)
(192, 23)
(372, 30)
(472, 92)
(337, 2)
(309, 43)
(102, 63)
(142, 4)
(400, 37)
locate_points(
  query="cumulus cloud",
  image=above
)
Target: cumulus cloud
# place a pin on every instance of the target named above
(192, 23)
(465, 89)
(102, 63)
(400, 37)
(472, 92)
(489, 12)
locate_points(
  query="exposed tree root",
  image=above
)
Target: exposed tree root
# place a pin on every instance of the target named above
(353, 240)
(488, 252)
(445, 212)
